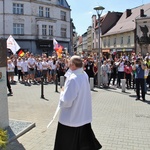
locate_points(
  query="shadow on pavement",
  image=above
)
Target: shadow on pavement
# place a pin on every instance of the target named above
(15, 145)
(146, 101)
(119, 92)
(94, 90)
(44, 98)
(132, 96)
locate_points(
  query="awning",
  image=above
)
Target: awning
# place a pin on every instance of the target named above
(106, 50)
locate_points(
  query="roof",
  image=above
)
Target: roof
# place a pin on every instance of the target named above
(126, 24)
(101, 21)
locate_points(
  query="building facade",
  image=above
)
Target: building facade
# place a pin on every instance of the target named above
(122, 37)
(89, 39)
(35, 23)
(84, 42)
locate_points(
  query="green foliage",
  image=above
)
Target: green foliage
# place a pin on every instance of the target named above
(3, 138)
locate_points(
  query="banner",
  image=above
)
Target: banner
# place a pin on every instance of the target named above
(12, 44)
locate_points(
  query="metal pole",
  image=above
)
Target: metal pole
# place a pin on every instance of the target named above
(92, 83)
(62, 79)
(42, 87)
(56, 83)
(99, 61)
(98, 9)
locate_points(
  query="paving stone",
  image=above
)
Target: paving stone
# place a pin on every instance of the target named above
(119, 121)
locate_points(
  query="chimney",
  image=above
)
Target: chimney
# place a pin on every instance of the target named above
(128, 13)
(142, 13)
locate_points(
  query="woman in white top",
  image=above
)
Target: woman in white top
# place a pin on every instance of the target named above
(120, 72)
(10, 70)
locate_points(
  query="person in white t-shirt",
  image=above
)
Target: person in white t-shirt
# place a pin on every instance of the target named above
(24, 69)
(31, 67)
(53, 67)
(44, 69)
(120, 72)
(10, 70)
(38, 69)
(74, 130)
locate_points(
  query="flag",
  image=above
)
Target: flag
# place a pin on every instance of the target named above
(58, 48)
(55, 43)
(12, 44)
(20, 53)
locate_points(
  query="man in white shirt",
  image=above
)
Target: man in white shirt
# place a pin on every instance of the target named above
(31, 67)
(74, 130)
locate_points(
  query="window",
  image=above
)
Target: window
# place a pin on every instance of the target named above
(17, 8)
(108, 42)
(44, 30)
(104, 42)
(128, 42)
(93, 46)
(63, 15)
(63, 32)
(121, 42)
(41, 11)
(50, 30)
(37, 27)
(114, 41)
(18, 28)
(47, 12)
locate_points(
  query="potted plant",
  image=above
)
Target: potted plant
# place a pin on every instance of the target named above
(3, 138)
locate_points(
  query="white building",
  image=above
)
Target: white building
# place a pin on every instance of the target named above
(35, 23)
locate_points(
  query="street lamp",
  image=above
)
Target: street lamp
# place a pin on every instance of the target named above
(99, 10)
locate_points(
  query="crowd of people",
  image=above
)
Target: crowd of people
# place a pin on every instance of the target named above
(134, 68)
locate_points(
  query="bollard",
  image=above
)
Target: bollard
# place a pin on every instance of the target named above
(62, 81)
(92, 83)
(42, 87)
(123, 84)
(56, 83)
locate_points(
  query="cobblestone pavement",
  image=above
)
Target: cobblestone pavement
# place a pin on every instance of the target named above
(119, 121)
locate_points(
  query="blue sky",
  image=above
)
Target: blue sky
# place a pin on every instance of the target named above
(82, 10)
